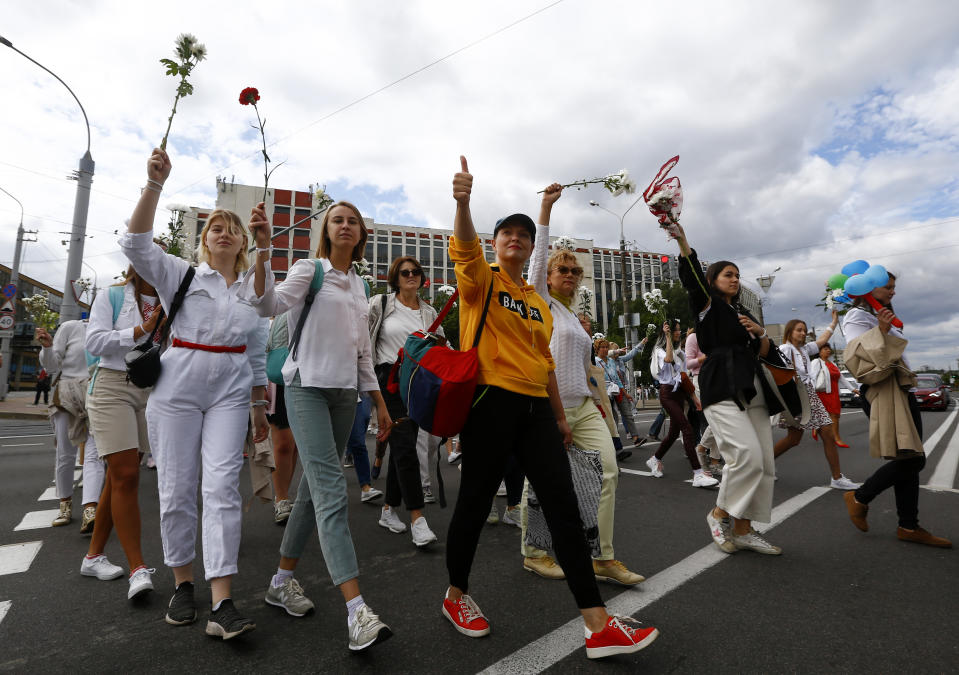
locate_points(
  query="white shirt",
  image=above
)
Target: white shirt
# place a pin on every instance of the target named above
(396, 327)
(111, 341)
(569, 344)
(667, 373)
(334, 350)
(67, 355)
(858, 321)
(799, 358)
(211, 314)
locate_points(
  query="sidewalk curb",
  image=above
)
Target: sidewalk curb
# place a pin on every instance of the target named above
(23, 416)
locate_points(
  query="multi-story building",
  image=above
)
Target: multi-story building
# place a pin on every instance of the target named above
(602, 266)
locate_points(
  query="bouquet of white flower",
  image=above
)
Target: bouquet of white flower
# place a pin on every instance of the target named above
(585, 300)
(361, 266)
(564, 244)
(664, 196)
(655, 305)
(448, 290)
(42, 315)
(599, 336)
(616, 183)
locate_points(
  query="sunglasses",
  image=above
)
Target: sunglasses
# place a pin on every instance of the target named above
(563, 269)
(411, 273)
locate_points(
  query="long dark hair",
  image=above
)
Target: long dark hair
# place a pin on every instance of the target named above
(661, 340)
(713, 271)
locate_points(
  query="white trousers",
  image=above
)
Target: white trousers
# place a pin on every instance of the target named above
(187, 441)
(745, 440)
(93, 469)
(427, 446)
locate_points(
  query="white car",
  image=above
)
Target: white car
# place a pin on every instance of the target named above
(849, 397)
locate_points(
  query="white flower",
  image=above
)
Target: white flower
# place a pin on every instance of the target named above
(585, 292)
(361, 266)
(174, 206)
(186, 40)
(599, 336)
(564, 243)
(657, 293)
(368, 278)
(449, 290)
(199, 52)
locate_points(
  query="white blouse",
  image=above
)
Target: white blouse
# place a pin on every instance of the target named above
(667, 373)
(111, 341)
(334, 350)
(799, 358)
(67, 355)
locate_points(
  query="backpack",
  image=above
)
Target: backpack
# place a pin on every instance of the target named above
(116, 301)
(277, 355)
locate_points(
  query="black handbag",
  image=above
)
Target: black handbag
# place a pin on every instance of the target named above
(143, 361)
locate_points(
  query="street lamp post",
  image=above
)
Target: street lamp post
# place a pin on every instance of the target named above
(69, 309)
(624, 286)
(5, 344)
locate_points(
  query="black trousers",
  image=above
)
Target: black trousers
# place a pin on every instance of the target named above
(672, 402)
(403, 470)
(504, 423)
(902, 475)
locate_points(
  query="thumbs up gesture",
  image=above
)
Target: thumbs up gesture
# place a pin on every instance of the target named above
(462, 184)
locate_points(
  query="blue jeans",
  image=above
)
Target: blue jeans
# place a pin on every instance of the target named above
(321, 420)
(657, 424)
(356, 446)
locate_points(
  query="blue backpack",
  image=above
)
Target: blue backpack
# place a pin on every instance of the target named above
(276, 355)
(116, 301)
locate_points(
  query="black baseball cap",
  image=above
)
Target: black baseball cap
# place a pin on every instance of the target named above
(517, 219)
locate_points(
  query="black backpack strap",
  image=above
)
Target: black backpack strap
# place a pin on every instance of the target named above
(479, 331)
(174, 306)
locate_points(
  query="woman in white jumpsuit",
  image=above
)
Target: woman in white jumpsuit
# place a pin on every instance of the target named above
(200, 407)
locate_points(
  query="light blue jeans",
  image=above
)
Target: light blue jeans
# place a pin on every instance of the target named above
(321, 420)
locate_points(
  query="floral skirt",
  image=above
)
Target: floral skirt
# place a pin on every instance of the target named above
(818, 417)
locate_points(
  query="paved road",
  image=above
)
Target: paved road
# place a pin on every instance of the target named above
(837, 601)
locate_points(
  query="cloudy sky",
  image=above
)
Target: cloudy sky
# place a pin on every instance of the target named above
(810, 134)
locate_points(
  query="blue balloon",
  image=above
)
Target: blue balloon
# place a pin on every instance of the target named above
(855, 267)
(858, 285)
(844, 299)
(877, 275)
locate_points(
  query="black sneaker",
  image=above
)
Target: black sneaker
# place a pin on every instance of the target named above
(227, 622)
(624, 454)
(182, 609)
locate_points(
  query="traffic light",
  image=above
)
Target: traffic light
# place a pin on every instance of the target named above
(664, 260)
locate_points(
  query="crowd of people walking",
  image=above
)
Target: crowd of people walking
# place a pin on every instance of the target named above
(548, 401)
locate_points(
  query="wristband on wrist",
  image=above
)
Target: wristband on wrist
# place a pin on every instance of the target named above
(151, 189)
(264, 250)
(155, 182)
(262, 403)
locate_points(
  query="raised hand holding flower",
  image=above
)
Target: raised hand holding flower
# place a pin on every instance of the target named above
(616, 183)
(189, 53)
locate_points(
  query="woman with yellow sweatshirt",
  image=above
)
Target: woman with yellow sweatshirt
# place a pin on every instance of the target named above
(517, 410)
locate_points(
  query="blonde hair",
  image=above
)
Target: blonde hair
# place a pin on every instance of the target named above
(236, 227)
(326, 246)
(558, 257)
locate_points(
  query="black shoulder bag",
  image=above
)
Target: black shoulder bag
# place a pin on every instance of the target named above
(143, 361)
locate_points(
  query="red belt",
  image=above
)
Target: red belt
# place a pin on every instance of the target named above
(219, 349)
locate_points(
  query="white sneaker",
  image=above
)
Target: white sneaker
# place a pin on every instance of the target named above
(511, 517)
(391, 521)
(655, 466)
(843, 483)
(370, 495)
(141, 582)
(754, 542)
(367, 630)
(704, 480)
(493, 516)
(422, 534)
(101, 568)
(290, 597)
(454, 457)
(428, 496)
(721, 532)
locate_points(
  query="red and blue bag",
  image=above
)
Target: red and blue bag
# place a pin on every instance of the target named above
(437, 383)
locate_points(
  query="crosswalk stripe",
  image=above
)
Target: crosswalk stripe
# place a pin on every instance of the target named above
(560, 643)
(16, 558)
(931, 443)
(35, 520)
(48, 495)
(945, 473)
(5, 606)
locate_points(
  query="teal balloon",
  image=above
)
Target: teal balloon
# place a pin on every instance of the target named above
(836, 281)
(877, 275)
(855, 267)
(858, 284)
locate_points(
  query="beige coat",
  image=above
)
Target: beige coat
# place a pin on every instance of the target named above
(876, 360)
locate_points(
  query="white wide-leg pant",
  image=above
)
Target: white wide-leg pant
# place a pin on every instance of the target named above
(93, 470)
(427, 445)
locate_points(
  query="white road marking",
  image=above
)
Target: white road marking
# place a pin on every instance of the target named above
(48, 495)
(16, 558)
(18, 445)
(34, 520)
(4, 608)
(636, 472)
(560, 643)
(3, 438)
(938, 489)
(930, 443)
(945, 473)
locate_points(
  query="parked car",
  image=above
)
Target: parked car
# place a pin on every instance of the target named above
(849, 397)
(931, 392)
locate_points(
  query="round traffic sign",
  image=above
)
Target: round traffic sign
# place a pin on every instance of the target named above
(6, 322)
(9, 290)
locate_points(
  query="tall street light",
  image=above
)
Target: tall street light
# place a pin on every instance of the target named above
(624, 288)
(69, 309)
(14, 278)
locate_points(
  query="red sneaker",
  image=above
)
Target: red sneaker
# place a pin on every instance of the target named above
(466, 616)
(622, 635)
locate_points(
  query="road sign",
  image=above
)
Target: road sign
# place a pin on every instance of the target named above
(9, 290)
(7, 307)
(6, 322)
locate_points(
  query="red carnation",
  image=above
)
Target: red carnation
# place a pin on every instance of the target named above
(249, 95)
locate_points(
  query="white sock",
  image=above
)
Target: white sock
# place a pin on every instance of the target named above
(217, 605)
(351, 607)
(280, 577)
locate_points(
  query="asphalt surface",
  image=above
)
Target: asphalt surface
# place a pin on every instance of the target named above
(837, 600)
